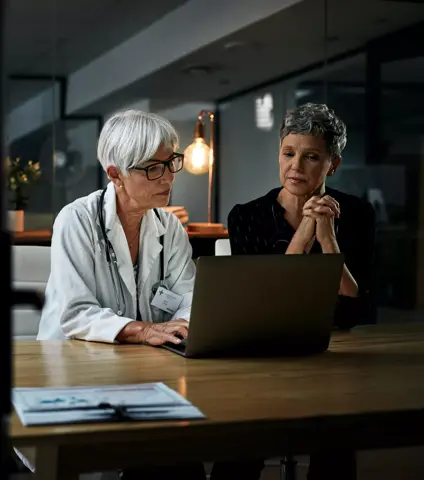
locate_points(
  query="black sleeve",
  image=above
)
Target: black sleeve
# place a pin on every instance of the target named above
(361, 264)
(237, 231)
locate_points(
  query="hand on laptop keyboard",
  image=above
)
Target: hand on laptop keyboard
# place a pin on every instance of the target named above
(154, 333)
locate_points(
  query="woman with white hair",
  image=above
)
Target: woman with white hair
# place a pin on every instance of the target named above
(113, 250)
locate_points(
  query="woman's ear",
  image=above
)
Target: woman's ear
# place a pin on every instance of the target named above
(335, 163)
(114, 175)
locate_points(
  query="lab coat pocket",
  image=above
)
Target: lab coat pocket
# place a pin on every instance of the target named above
(158, 315)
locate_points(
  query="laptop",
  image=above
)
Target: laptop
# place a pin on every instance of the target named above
(262, 305)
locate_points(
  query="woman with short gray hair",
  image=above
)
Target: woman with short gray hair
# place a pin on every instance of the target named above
(113, 249)
(304, 216)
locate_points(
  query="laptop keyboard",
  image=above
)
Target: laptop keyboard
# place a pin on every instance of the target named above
(181, 347)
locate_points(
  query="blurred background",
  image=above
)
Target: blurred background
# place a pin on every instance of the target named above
(72, 64)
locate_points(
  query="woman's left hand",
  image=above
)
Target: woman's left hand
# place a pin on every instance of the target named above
(328, 209)
(325, 233)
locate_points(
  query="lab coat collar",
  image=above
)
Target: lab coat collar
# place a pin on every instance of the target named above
(109, 205)
(151, 229)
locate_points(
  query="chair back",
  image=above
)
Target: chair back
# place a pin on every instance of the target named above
(222, 247)
(30, 271)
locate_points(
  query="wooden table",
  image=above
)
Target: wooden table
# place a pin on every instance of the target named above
(32, 237)
(202, 243)
(366, 392)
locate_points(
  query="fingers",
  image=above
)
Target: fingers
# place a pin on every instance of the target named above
(331, 203)
(168, 337)
(315, 201)
(172, 329)
(311, 205)
(324, 210)
(312, 202)
(179, 322)
(183, 331)
(159, 338)
(323, 205)
(157, 333)
(156, 337)
(160, 333)
(311, 213)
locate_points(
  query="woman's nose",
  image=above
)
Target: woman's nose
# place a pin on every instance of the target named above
(296, 163)
(168, 175)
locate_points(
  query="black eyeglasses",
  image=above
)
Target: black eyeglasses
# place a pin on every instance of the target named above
(175, 163)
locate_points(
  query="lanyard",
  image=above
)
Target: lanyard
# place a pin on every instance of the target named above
(162, 267)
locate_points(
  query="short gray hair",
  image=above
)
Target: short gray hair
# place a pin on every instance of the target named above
(131, 137)
(318, 120)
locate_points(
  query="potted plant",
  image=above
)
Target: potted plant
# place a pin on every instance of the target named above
(19, 179)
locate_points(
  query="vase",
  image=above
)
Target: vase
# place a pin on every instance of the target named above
(16, 220)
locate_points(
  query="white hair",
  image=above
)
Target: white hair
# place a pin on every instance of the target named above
(130, 138)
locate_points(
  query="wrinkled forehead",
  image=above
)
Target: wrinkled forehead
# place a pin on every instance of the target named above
(163, 153)
(298, 141)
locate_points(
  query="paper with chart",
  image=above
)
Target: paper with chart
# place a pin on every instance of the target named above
(149, 401)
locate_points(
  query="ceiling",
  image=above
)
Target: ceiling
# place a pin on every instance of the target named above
(283, 43)
(46, 37)
(58, 36)
(288, 41)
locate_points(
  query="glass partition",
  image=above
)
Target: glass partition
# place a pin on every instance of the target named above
(390, 91)
(39, 128)
(401, 204)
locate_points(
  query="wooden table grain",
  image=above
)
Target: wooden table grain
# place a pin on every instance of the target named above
(365, 392)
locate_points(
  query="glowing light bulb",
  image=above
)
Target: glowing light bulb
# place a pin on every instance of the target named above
(197, 157)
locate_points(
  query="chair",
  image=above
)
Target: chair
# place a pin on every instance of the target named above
(30, 270)
(222, 247)
(287, 464)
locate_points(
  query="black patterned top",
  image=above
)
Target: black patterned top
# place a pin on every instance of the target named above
(259, 227)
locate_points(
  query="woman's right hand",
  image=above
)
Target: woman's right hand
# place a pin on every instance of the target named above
(154, 333)
(305, 232)
(303, 236)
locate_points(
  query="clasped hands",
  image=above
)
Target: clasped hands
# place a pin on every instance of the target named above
(319, 213)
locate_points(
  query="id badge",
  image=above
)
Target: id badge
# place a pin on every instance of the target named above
(167, 300)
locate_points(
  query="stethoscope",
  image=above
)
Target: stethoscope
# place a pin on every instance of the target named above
(113, 262)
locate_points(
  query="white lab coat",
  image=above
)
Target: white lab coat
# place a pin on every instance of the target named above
(80, 298)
